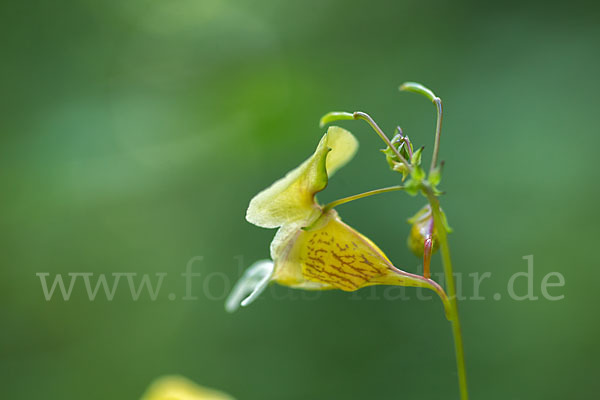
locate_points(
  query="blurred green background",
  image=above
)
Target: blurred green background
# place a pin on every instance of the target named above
(134, 133)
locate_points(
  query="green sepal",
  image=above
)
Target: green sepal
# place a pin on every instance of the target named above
(412, 187)
(445, 222)
(389, 156)
(418, 174)
(416, 157)
(401, 167)
(392, 159)
(435, 176)
(404, 144)
(436, 191)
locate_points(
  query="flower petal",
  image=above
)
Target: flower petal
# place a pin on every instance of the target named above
(332, 255)
(343, 146)
(291, 199)
(254, 281)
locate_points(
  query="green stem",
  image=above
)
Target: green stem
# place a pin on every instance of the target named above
(382, 135)
(438, 132)
(418, 88)
(342, 115)
(437, 215)
(451, 289)
(348, 199)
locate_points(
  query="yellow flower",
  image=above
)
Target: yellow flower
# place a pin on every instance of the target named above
(180, 388)
(313, 249)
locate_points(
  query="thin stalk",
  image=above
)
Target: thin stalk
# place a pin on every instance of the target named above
(382, 135)
(418, 88)
(438, 132)
(451, 289)
(348, 199)
(342, 115)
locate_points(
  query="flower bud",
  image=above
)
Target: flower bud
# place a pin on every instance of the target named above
(404, 147)
(422, 230)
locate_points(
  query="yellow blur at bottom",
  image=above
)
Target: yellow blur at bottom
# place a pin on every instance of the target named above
(180, 388)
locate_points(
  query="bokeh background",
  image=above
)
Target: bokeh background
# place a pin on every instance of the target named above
(134, 133)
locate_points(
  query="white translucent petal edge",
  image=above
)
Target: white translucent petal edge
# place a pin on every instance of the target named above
(254, 281)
